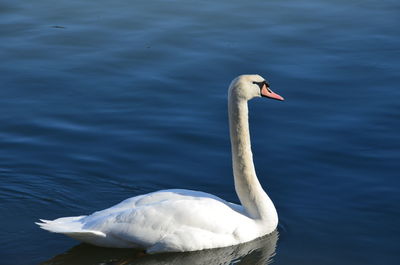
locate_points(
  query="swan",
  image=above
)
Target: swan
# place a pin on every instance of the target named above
(178, 220)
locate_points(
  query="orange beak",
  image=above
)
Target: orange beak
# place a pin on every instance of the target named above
(266, 92)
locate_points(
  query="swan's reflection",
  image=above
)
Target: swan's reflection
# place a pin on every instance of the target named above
(257, 252)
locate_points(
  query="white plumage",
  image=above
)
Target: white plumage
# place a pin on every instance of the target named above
(183, 220)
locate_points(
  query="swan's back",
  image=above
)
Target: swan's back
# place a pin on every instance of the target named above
(167, 220)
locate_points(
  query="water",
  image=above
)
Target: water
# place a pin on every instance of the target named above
(104, 100)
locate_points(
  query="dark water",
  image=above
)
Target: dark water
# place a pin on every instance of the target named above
(104, 100)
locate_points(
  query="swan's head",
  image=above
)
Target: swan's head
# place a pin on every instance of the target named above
(246, 87)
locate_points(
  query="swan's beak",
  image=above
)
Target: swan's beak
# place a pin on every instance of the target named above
(268, 93)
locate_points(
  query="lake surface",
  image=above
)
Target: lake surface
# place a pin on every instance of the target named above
(104, 100)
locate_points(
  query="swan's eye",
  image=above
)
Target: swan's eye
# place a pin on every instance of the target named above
(261, 84)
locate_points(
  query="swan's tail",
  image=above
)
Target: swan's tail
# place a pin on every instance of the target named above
(72, 227)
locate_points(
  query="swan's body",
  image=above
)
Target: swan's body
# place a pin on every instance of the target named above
(185, 220)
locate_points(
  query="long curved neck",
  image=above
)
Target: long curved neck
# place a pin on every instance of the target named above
(251, 195)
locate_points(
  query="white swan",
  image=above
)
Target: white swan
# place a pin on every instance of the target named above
(184, 220)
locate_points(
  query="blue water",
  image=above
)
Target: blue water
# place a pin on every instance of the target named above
(104, 100)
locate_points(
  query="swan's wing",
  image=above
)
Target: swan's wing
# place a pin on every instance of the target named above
(171, 219)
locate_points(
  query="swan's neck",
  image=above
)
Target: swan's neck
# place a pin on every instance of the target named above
(251, 195)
